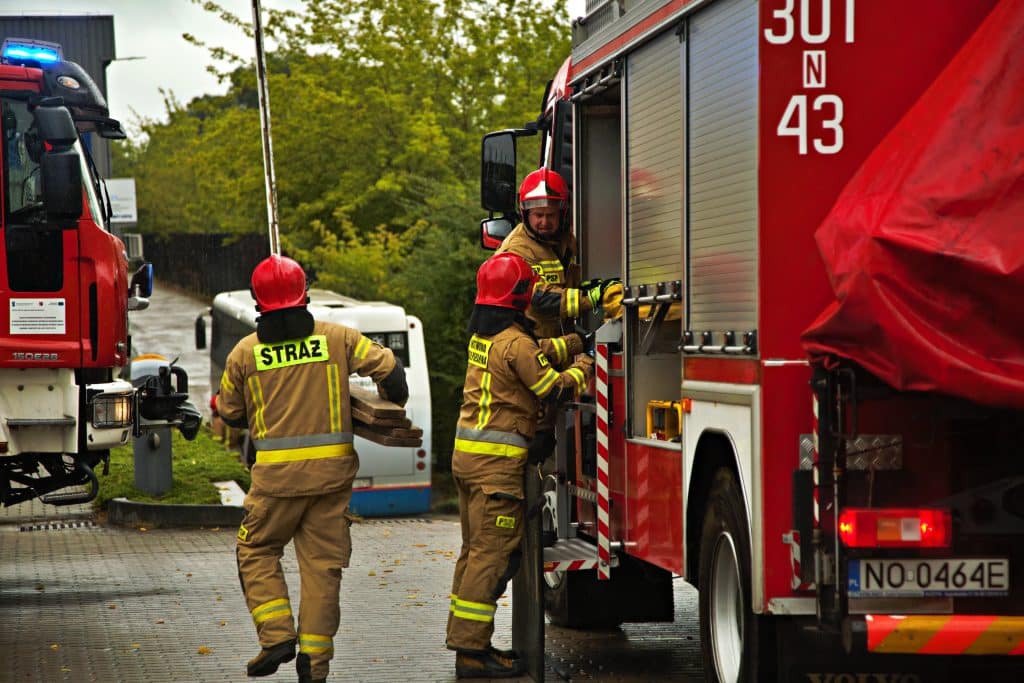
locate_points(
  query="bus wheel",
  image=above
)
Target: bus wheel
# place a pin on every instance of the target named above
(729, 630)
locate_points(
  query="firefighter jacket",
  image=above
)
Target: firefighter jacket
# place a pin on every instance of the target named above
(556, 295)
(507, 377)
(294, 395)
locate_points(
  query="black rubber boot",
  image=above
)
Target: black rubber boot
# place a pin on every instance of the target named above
(269, 658)
(489, 664)
(304, 671)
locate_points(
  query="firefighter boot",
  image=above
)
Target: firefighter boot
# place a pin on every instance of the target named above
(269, 658)
(489, 664)
(303, 669)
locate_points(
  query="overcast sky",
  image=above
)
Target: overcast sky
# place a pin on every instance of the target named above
(152, 29)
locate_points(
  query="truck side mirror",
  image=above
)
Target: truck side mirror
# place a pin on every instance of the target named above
(561, 141)
(60, 168)
(493, 231)
(61, 176)
(498, 173)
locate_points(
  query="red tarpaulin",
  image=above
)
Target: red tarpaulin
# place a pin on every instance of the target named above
(925, 246)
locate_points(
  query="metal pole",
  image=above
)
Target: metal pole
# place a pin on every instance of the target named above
(268, 145)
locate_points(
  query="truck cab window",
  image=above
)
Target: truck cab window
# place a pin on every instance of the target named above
(21, 154)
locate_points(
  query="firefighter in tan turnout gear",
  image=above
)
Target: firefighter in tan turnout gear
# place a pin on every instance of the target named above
(288, 383)
(544, 240)
(509, 374)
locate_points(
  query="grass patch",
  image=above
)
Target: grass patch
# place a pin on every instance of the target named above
(195, 465)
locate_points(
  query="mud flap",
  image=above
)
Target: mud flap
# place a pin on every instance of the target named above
(527, 587)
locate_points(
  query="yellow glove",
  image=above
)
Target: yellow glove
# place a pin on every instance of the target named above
(611, 301)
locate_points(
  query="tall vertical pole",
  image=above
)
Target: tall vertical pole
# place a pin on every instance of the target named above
(268, 145)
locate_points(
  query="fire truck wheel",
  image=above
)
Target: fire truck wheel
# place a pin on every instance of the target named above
(731, 634)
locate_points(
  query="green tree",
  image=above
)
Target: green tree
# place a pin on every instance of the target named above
(378, 108)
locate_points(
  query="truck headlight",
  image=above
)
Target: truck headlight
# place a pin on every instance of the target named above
(112, 410)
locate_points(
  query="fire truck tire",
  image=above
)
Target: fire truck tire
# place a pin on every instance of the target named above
(733, 639)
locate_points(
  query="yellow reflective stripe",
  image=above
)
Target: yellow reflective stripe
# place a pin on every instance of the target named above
(451, 607)
(259, 419)
(474, 611)
(552, 266)
(577, 375)
(272, 610)
(362, 348)
(334, 396)
(485, 401)
(544, 384)
(334, 450)
(226, 384)
(312, 643)
(487, 448)
(572, 303)
(561, 351)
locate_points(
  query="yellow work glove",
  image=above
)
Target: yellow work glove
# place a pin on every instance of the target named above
(611, 300)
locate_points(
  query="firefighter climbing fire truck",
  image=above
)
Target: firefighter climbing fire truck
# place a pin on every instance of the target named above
(65, 291)
(811, 408)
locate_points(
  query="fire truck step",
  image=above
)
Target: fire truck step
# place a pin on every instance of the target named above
(66, 421)
(573, 554)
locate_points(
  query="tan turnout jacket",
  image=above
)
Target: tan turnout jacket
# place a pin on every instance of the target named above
(294, 395)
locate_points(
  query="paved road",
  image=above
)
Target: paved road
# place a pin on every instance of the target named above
(84, 602)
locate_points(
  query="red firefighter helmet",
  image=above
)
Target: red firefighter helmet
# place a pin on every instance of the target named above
(505, 280)
(278, 282)
(543, 187)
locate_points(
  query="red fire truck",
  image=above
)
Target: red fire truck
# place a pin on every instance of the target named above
(812, 406)
(64, 290)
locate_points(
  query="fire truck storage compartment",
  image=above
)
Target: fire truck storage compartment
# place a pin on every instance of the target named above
(654, 144)
(722, 65)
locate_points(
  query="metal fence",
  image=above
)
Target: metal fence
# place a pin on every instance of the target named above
(205, 264)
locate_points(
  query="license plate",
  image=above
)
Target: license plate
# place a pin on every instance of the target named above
(898, 578)
(362, 483)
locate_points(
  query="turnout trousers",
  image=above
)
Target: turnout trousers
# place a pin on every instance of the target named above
(491, 512)
(319, 526)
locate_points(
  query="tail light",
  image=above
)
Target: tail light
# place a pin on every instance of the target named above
(896, 528)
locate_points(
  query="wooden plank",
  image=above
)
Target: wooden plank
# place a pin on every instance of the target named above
(367, 401)
(366, 418)
(398, 432)
(362, 430)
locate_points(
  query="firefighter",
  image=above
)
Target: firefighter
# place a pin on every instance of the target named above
(507, 376)
(544, 240)
(288, 383)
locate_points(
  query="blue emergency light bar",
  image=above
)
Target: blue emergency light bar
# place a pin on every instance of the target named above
(29, 52)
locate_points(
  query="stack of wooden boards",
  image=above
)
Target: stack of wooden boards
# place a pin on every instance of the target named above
(381, 421)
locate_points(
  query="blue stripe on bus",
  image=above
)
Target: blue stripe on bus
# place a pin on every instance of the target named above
(387, 501)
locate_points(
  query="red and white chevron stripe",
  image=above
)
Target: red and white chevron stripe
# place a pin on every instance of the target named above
(603, 545)
(814, 465)
(569, 565)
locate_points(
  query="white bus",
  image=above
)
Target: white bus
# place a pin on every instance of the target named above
(391, 480)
